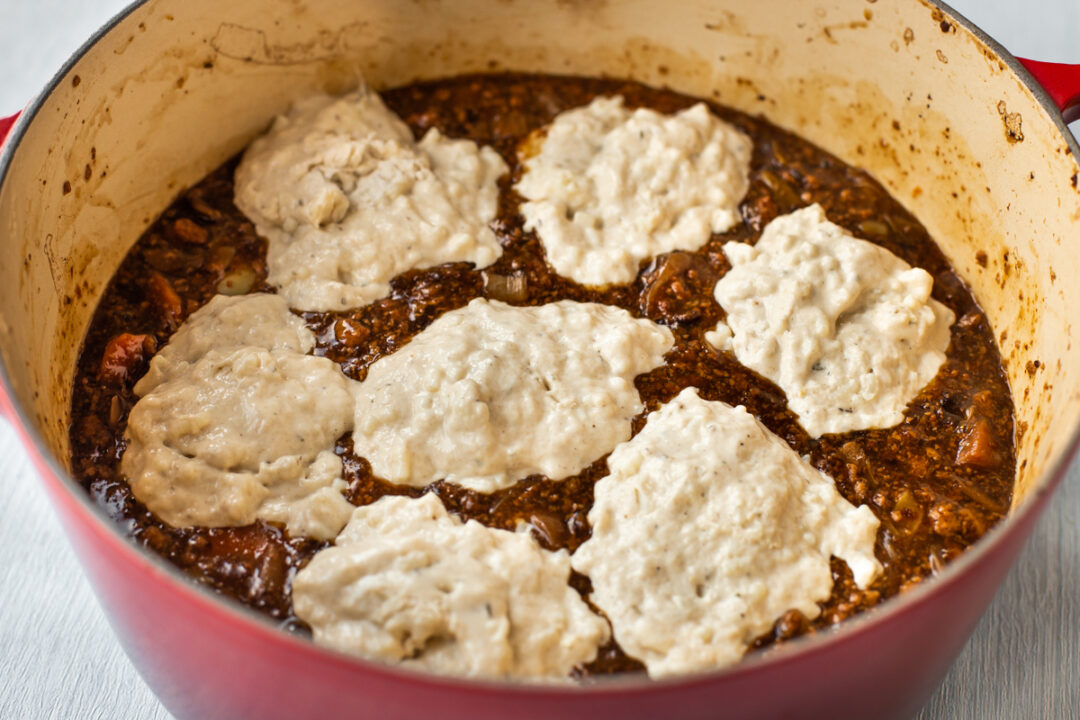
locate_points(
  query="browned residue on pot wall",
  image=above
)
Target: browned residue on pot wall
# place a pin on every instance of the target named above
(1013, 123)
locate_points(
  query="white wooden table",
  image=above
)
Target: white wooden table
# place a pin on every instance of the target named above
(59, 659)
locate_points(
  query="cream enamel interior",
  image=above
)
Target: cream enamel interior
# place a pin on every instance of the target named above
(890, 85)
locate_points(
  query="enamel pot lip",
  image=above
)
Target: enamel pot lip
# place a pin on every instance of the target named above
(158, 569)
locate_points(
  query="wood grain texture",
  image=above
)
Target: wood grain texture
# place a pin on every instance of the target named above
(58, 656)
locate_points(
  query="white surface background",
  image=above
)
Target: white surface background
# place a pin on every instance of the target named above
(59, 659)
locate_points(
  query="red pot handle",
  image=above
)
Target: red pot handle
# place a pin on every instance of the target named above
(5, 404)
(5, 126)
(7, 412)
(1062, 81)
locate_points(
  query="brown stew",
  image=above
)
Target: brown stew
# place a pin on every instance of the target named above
(937, 481)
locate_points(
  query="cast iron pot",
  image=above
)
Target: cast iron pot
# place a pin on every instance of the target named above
(953, 125)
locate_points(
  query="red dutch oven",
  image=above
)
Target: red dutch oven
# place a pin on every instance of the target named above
(959, 131)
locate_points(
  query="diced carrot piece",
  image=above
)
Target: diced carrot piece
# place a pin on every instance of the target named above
(124, 355)
(977, 446)
(165, 299)
(188, 231)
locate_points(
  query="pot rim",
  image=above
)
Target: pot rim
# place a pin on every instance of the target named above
(787, 652)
